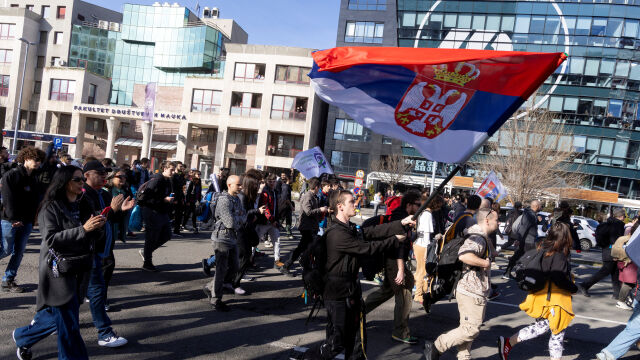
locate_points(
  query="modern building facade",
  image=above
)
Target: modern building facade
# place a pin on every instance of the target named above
(596, 95)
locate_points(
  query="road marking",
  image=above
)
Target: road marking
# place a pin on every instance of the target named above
(578, 316)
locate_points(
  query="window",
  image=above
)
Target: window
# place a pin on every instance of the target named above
(368, 5)
(91, 99)
(7, 31)
(15, 5)
(5, 56)
(242, 137)
(292, 74)
(62, 90)
(4, 85)
(204, 135)
(29, 7)
(237, 166)
(249, 72)
(61, 12)
(96, 125)
(40, 62)
(284, 145)
(43, 37)
(45, 12)
(58, 37)
(37, 87)
(387, 140)
(364, 32)
(289, 107)
(55, 61)
(206, 101)
(347, 129)
(246, 104)
(349, 160)
(82, 63)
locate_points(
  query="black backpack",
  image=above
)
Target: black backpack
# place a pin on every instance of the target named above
(529, 273)
(602, 235)
(371, 265)
(142, 195)
(314, 261)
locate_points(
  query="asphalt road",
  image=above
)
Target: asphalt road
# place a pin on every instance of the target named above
(165, 315)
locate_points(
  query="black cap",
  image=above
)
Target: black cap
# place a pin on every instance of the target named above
(95, 165)
(564, 204)
(517, 205)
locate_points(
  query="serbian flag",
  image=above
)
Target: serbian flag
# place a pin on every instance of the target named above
(444, 102)
(492, 187)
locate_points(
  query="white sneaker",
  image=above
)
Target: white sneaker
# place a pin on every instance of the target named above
(239, 291)
(141, 254)
(268, 244)
(113, 341)
(623, 306)
(227, 286)
(248, 278)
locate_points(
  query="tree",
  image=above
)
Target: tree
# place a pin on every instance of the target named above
(390, 169)
(532, 155)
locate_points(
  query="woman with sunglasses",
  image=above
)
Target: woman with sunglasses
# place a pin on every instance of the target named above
(59, 292)
(551, 306)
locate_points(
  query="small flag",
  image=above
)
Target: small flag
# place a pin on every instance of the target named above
(492, 188)
(311, 163)
(444, 102)
(149, 102)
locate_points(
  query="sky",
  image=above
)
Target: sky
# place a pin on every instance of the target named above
(301, 23)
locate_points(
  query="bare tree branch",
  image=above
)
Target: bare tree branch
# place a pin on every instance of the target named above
(391, 169)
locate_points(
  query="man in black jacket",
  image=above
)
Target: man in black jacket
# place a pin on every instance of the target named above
(615, 229)
(177, 184)
(93, 202)
(20, 196)
(526, 235)
(156, 201)
(342, 292)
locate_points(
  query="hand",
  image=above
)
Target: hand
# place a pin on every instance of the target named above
(408, 221)
(262, 209)
(169, 199)
(324, 209)
(116, 202)
(128, 204)
(17, 224)
(94, 222)
(401, 238)
(488, 264)
(399, 280)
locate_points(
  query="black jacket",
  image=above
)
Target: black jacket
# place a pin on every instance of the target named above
(158, 188)
(194, 192)
(566, 219)
(64, 233)
(615, 230)
(345, 243)
(90, 205)
(559, 270)
(527, 231)
(20, 195)
(177, 185)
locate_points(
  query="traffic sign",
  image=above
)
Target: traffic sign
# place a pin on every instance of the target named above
(360, 174)
(57, 143)
(356, 190)
(359, 182)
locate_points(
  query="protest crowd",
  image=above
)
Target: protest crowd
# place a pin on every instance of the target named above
(86, 206)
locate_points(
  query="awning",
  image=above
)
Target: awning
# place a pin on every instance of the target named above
(157, 145)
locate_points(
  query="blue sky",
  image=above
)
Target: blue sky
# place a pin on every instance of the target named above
(302, 23)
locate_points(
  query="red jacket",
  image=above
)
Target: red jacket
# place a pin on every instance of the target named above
(268, 198)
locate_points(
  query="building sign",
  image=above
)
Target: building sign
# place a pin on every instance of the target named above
(36, 136)
(125, 111)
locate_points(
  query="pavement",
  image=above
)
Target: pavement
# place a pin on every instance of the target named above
(165, 315)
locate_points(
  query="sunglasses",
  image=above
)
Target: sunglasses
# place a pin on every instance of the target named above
(78, 179)
(489, 213)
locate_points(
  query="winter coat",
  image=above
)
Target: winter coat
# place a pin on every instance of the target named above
(311, 214)
(20, 195)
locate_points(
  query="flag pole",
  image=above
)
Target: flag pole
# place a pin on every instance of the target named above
(437, 190)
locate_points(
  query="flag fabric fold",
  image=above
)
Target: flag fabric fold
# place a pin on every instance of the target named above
(311, 163)
(492, 188)
(444, 102)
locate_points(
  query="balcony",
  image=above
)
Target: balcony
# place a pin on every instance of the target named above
(282, 152)
(234, 150)
(245, 112)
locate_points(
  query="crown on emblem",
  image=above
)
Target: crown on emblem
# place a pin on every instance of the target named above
(457, 77)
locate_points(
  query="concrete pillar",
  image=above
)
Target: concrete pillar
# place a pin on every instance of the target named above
(146, 139)
(78, 127)
(184, 136)
(221, 143)
(112, 132)
(55, 121)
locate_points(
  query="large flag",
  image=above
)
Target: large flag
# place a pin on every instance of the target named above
(633, 247)
(311, 163)
(149, 102)
(444, 102)
(492, 187)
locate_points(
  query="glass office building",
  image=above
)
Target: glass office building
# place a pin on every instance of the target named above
(93, 47)
(597, 95)
(164, 45)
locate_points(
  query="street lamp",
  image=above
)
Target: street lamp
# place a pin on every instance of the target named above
(24, 70)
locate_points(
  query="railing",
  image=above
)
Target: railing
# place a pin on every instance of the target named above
(246, 112)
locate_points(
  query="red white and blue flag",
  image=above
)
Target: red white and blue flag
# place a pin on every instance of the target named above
(492, 187)
(444, 102)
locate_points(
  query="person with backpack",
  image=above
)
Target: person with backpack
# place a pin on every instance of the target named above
(154, 197)
(398, 280)
(425, 235)
(268, 222)
(459, 205)
(511, 224)
(472, 289)
(310, 217)
(525, 233)
(345, 243)
(565, 213)
(550, 302)
(606, 235)
(627, 269)
(192, 198)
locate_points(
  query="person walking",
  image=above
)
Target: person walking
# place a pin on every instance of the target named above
(155, 200)
(377, 199)
(512, 216)
(551, 306)
(286, 205)
(59, 292)
(472, 290)
(177, 185)
(20, 198)
(230, 218)
(628, 270)
(342, 296)
(613, 228)
(526, 234)
(193, 197)
(268, 222)
(425, 231)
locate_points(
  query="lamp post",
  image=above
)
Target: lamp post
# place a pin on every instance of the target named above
(24, 70)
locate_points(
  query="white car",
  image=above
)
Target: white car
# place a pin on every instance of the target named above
(586, 228)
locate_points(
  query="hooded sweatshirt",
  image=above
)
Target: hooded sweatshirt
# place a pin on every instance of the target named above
(475, 282)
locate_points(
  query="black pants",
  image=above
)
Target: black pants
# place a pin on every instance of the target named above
(178, 210)
(157, 231)
(190, 210)
(285, 218)
(307, 237)
(244, 261)
(609, 267)
(344, 329)
(522, 248)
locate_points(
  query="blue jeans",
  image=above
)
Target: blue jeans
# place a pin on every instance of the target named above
(627, 338)
(14, 241)
(97, 295)
(211, 260)
(62, 318)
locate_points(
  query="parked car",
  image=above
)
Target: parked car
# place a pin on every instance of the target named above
(586, 228)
